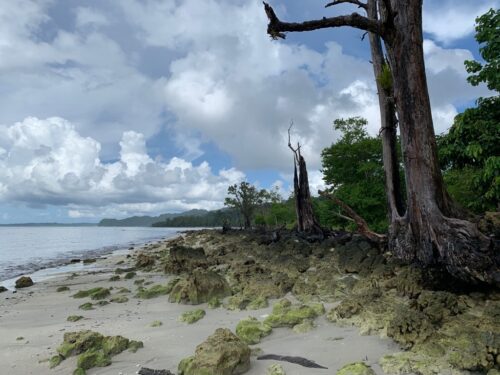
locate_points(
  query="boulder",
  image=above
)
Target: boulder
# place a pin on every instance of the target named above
(24, 282)
(144, 261)
(287, 315)
(199, 287)
(251, 331)
(223, 353)
(185, 259)
(3, 289)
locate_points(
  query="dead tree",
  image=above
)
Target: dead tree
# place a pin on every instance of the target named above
(431, 232)
(306, 221)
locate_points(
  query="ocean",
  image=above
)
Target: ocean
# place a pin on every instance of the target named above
(24, 250)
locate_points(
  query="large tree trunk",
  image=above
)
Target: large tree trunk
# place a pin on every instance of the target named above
(428, 234)
(388, 121)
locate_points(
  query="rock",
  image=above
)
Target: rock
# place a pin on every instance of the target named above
(24, 282)
(94, 293)
(286, 315)
(145, 261)
(154, 291)
(89, 260)
(185, 259)
(55, 361)
(156, 323)
(409, 327)
(86, 306)
(276, 369)
(251, 331)
(199, 287)
(119, 299)
(114, 278)
(192, 316)
(346, 309)
(3, 289)
(129, 275)
(304, 327)
(93, 358)
(62, 289)
(223, 353)
(439, 305)
(148, 371)
(74, 318)
(358, 368)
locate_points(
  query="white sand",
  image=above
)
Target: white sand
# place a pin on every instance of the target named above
(38, 314)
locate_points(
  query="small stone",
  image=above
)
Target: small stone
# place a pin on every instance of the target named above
(276, 369)
(192, 316)
(357, 368)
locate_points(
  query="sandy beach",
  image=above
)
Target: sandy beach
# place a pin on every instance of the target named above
(33, 321)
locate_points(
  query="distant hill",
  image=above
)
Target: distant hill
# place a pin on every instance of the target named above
(209, 219)
(49, 225)
(147, 221)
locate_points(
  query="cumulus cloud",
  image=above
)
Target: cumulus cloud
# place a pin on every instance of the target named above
(451, 20)
(49, 162)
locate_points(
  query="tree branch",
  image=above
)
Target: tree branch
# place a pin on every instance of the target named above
(355, 2)
(362, 225)
(276, 28)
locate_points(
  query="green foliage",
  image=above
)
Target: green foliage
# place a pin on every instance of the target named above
(385, 77)
(470, 156)
(353, 167)
(209, 219)
(488, 36)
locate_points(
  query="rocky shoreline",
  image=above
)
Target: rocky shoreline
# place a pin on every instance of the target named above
(258, 300)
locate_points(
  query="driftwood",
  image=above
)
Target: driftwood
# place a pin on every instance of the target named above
(297, 360)
(148, 371)
(362, 225)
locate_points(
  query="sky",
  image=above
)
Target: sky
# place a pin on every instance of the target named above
(113, 108)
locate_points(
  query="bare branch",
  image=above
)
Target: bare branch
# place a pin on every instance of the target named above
(362, 225)
(355, 2)
(276, 28)
(296, 151)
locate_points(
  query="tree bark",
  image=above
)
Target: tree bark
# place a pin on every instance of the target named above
(429, 233)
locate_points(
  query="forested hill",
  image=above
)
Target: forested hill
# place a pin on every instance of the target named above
(209, 219)
(147, 221)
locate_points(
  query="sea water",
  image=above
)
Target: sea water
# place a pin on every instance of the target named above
(24, 250)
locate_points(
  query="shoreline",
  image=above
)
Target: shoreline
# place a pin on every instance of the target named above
(63, 262)
(38, 315)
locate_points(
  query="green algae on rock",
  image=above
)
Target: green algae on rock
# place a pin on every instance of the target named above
(304, 327)
(129, 275)
(119, 299)
(276, 369)
(55, 361)
(74, 318)
(92, 348)
(94, 293)
(357, 368)
(192, 316)
(214, 303)
(251, 330)
(199, 287)
(62, 289)
(156, 323)
(24, 282)
(185, 259)
(223, 353)
(114, 278)
(285, 314)
(86, 306)
(153, 292)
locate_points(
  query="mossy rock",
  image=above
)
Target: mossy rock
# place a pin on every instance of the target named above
(276, 369)
(93, 349)
(55, 361)
(119, 299)
(304, 327)
(62, 289)
(410, 362)
(86, 306)
(223, 353)
(409, 327)
(242, 301)
(93, 358)
(129, 275)
(114, 278)
(123, 290)
(145, 261)
(214, 303)
(346, 309)
(24, 282)
(139, 281)
(439, 305)
(89, 260)
(79, 371)
(74, 318)
(185, 259)
(357, 368)
(156, 323)
(120, 271)
(199, 287)
(286, 315)
(94, 293)
(192, 316)
(153, 292)
(251, 330)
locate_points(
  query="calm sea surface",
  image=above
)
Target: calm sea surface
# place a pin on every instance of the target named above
(27, 249)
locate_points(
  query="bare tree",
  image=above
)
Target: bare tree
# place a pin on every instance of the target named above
(431, 231)
(306, 221)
